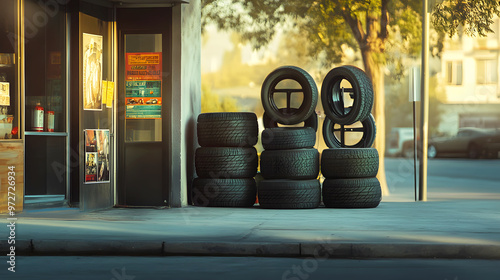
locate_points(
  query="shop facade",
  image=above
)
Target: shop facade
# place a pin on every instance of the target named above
(98, 101)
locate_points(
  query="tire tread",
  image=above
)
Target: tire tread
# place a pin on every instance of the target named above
(349, 163)
(289, 194)
(352, 193)
(224, 192)
(298, 164)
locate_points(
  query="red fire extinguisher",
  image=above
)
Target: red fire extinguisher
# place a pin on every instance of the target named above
(49, 118)
(38, 118)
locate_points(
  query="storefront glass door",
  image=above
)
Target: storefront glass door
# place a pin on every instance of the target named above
(143, 115)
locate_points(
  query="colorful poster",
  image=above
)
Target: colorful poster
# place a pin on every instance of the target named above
(103, 157)
(90, 167)
(4, 94)
(97, 155)
(143, 94)
(143, 66)
(92, 72)
(90, 141)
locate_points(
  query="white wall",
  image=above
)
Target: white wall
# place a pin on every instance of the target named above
(186, 56)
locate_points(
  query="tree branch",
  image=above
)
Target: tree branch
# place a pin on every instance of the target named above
(384, 21)
(355, 25)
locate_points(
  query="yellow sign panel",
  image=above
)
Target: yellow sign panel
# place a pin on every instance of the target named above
(143, 59)
(104, 91)
(110, 93)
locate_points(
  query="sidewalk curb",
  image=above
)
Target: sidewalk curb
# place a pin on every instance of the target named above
(298, 250)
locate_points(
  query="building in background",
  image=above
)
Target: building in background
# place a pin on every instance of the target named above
(471, 78)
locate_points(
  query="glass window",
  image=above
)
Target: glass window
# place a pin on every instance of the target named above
(487, 72)
(45, 97)
(8, 110)
(454, 72)
(9, 98)
(45, 66)
(143, 87)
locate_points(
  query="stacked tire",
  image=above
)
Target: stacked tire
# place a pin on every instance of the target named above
(289, 164)
(350, 178)
(226, 162)
(350, 170)
(333, 97)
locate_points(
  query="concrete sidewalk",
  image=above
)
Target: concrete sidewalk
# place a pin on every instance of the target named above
(436, 229)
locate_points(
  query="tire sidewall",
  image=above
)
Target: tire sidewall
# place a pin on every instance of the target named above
(311, 122)
(332, 80)
(309, 91)
(369, 133)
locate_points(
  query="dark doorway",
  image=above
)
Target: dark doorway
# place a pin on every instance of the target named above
(144, 94)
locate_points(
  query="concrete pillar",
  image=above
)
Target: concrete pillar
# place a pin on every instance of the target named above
(186, 97)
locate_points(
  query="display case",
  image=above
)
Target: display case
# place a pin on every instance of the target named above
(45, 102)
(10, 121)
(9, 115)
(11, 142)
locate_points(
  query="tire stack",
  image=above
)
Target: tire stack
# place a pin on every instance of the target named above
(226, 162)
(289, 164)
(350, 178)
(349, 170)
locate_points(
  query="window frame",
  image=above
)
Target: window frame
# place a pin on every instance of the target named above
(454, 72)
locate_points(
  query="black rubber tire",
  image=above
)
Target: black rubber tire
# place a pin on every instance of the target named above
(331, 94)
(224, 192)
(309, 88)
(298, 164)
(352, 193)
(227, 129)
(349, 163)
(269, 122)
(289, 194)
(226, 162)
(284, 138)
(369, 133)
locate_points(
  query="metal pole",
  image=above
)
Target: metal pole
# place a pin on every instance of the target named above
(424, 119)
(414, 97)
(415, 144)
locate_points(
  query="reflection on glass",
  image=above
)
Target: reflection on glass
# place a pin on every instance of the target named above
(487, 72)
(45, 70)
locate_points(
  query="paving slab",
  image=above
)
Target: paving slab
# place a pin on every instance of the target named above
(445, 229)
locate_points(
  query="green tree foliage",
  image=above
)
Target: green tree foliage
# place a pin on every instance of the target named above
(475, 16)
(328, 24)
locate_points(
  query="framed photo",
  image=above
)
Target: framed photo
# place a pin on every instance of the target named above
(92, 72)
(97, 155)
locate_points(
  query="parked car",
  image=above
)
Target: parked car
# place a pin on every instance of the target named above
(398, 140)
(470, 142)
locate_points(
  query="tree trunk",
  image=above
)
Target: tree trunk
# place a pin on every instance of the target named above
(374, 72)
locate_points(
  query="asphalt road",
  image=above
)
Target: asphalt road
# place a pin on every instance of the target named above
(450, 178)
(242, 268)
